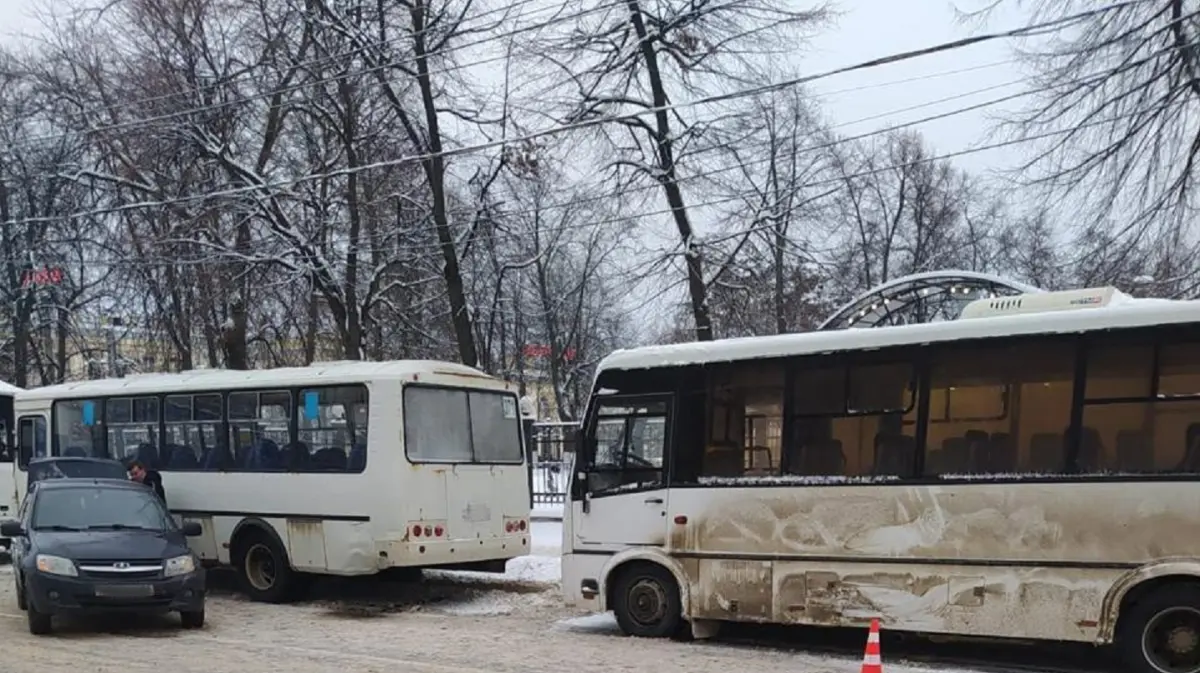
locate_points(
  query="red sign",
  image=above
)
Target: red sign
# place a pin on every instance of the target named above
(543, 351)
(45, 276)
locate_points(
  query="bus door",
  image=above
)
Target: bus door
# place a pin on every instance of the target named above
(618, 493)
(32, 442)
(8, 461)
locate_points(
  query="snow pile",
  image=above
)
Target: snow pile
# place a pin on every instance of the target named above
(600, 622)
(540, 569)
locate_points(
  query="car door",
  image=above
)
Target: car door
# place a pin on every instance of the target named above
(20, 546)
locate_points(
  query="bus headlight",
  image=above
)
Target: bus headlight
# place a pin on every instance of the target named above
(56, 565)
(180, 565)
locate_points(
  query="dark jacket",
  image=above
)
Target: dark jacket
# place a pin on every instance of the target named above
(154, 480)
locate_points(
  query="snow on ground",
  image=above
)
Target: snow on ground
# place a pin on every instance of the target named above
(599, 623)
(544, 510)
(547, 538)
(528, 579)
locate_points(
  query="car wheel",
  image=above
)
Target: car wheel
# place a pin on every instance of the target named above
(39, 623)
(264, 570)
(192, 619)
(646, 601)
(1161, 632)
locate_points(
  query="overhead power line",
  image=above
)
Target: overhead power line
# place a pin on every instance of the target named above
(628, 218)
(942, 47)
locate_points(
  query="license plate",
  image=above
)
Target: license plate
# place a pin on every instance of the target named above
(125, 591)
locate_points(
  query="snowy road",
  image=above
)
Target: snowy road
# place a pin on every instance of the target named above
(459, 631)
(448, 623)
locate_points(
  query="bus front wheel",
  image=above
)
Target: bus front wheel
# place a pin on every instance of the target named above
(263, 569)
(1161, 633)
(646, 601)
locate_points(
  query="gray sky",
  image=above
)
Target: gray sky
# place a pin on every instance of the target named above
(871, 28)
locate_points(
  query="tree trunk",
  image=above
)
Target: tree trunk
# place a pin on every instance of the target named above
(435, 171)
(697, 290)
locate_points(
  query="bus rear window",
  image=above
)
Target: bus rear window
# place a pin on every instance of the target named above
(456, 426)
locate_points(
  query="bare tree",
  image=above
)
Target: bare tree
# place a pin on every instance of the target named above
(642, 58)
(568, 243)
(903, 210)
(1114, 117)
(766, 282)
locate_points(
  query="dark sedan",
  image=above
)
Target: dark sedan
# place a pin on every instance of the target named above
(68, 467)
(100, 545)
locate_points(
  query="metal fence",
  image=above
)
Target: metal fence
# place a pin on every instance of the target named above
(552, 453)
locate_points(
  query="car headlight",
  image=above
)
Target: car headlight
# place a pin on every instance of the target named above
(180, 565)
(56, 565)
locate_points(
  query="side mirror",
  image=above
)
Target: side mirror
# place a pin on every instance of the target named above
(12, 529)
(192, 529)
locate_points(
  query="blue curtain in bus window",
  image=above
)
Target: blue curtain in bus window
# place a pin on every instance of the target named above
(312, 405)
(89, 413)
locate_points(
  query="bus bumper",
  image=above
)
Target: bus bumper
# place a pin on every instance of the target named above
(582, 577)
(393, 553)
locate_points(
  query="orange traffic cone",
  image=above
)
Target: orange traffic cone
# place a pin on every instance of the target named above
(872, 663)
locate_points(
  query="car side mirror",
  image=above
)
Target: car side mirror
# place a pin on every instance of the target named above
(192, 529)
(12, 529)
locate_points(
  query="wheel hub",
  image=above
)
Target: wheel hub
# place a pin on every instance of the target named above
(260, 567)
(647, 601)
(1182, 639)
(1171, 641)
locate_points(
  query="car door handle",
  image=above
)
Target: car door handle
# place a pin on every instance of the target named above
(653, 501)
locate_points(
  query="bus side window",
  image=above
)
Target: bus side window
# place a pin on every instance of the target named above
(7, 454)
(32, 439)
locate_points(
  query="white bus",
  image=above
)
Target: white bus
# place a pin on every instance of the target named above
(341, 468)
(8, 486)
(1029, 476)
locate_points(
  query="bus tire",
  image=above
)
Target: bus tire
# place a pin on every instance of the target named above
(1161, 631)
(646, 602)
(263, 568)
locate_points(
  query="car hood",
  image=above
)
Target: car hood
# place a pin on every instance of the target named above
(110, 545)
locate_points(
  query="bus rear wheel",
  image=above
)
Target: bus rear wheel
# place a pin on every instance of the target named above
(263, 569)
(1161, 633)
(646, 601)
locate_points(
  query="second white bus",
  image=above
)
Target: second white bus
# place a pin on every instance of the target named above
(342, 468)
(1028, 475)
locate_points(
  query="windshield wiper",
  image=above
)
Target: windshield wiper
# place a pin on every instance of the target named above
(116, 526)
(57, 527)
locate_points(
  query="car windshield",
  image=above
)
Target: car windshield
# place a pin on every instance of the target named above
(99, 509)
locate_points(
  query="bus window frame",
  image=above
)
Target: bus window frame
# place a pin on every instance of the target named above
(585, 468)
(54, 449)
(466, 391)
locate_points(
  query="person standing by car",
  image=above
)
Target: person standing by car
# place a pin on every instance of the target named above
(139, 473)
